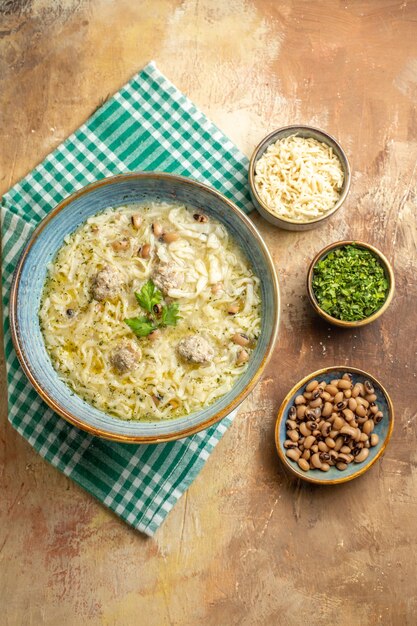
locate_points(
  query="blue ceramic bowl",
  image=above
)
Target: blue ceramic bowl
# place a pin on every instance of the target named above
(30, 276)
(383, 429)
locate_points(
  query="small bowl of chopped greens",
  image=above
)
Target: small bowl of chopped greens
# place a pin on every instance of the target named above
(350, 283)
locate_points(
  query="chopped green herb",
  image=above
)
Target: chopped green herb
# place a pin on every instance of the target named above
(350, 283)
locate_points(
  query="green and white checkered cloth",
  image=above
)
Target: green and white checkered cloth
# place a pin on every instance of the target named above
(147, 125)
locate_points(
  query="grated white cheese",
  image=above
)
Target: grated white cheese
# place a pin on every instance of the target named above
(299, 178)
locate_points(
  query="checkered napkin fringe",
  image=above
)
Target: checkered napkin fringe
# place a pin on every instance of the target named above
(147, 125)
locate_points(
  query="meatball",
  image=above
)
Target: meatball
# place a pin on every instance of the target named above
(168, 276)
(105, 284)
(195, 349)
(125, 358)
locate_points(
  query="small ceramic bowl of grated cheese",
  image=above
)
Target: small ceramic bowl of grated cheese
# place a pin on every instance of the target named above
(298, 176)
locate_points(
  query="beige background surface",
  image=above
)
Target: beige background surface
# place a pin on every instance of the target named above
(247, 545)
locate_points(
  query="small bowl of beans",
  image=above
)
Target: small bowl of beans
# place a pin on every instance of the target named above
(333, 425)
(350, 283)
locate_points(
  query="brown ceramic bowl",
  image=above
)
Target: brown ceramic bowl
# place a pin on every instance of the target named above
(389, 273)
(300, 131)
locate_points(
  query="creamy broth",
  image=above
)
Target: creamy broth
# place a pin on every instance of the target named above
(194, 267)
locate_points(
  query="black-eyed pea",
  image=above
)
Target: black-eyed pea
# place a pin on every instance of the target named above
(338, 443)
(292, 413)
(157, 229)
(339, 397)
(243, 357)
(315, 460)
(374, 439)
(364, 437)
(308, 395)
(300, 400)
(334, 382)
(341, 466)
(324, 467)
(333, 434)
(291, 425)
(374, 408)
(241, 339)
(360, 410)
(293, 454)
(293, 435)
(326, 397)
(145, 251)
(290, 444)
(316, 402)
(322, 446)
(306, 455)
(378, 417)
(344, 384)
(352, 404)
(368, 387)
(348, 430)
(371, 397)
(327, 409)
(312, 385)
(136, 221)
(301, 409)
(304, 465)
(314, 448)
(331, 389)
(348, 415)
(368, 427)
(344, 458)
(330, 443)
(345, 450)
(309, 441)
(347, 393)
(362, 456)
(325, 428)
(338, 422)
(304, 430)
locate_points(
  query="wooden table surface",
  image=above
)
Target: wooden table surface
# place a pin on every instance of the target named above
(246, 545)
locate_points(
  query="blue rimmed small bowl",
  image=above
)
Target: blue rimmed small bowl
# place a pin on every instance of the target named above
(47, 239)
(354, 470)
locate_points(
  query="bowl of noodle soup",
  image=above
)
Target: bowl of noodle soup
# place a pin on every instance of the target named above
(144, 307)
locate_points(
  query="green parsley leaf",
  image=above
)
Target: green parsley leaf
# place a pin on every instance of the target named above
(141, 326)
(170, 315)
(148, 296)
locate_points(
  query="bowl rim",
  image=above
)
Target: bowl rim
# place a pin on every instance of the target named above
(360, 470)
(344, 323)
(31, 375)
(268, 140)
